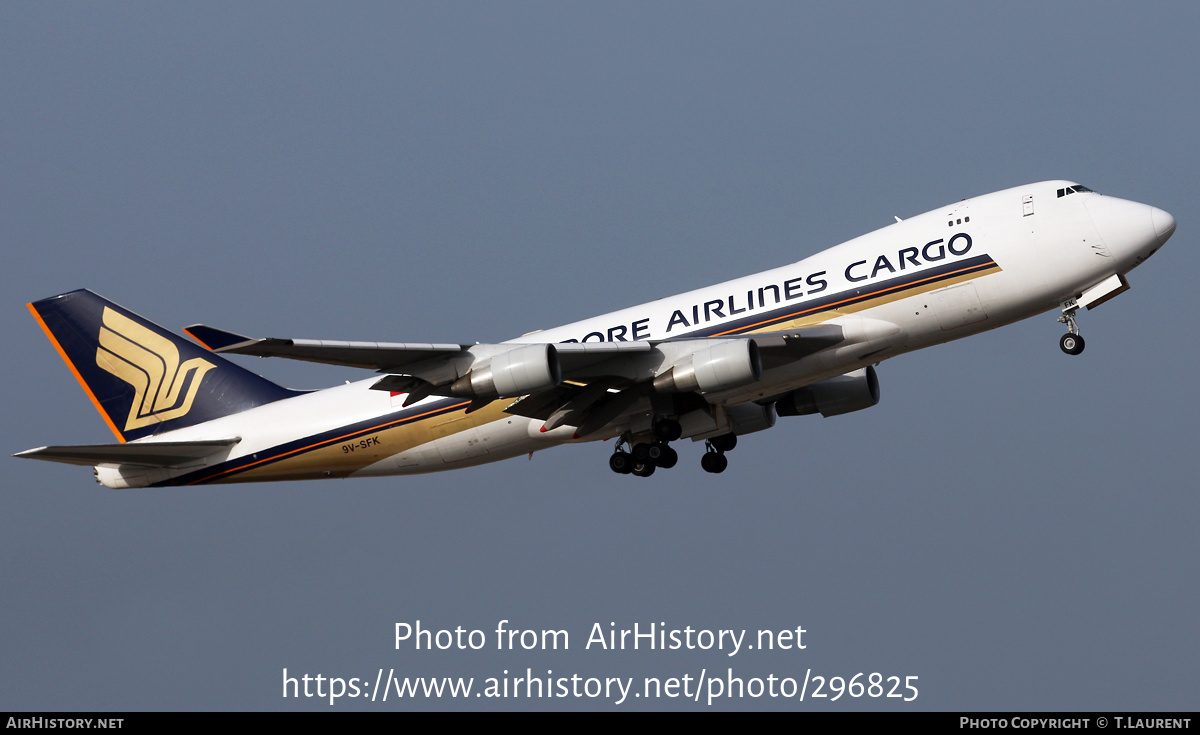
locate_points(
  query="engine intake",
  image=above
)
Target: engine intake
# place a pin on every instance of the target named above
(517, 372)
(853, 391)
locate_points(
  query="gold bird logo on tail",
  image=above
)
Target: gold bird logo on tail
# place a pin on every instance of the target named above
(150, 363)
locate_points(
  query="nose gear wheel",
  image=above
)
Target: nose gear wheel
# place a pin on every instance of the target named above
(1072, 344)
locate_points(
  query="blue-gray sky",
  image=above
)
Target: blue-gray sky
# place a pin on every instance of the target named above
(1013, 526)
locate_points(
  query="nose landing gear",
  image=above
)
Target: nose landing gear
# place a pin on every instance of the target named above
(1071, 342)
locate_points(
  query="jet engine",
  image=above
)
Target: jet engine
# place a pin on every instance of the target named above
(853, 391)
(517, 372)
(724, 365)
(747, 418)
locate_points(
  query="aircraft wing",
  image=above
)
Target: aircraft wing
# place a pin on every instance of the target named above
(382, 356)
(140, 454)
(594, 381)
(393, 357)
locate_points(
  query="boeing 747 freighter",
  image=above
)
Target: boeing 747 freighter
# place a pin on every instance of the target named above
(710, 365)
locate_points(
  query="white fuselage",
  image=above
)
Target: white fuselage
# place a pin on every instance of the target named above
(955, 271)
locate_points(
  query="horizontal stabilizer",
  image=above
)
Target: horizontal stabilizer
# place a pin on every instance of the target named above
(139, 454)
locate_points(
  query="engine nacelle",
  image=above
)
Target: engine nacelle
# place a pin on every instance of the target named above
(517, 372)
(725, 365)
(747, 418)
(843, 394)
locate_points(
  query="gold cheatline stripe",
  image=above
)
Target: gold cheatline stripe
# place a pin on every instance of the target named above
(333, 440)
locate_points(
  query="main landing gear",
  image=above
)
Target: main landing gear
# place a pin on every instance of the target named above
(642, 458)
(1071, 342)
(714, 459)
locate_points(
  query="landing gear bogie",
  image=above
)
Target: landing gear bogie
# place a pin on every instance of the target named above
(714, 459)
(641, 459)
(714, 462)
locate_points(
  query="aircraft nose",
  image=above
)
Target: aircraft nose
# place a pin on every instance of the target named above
(1132, 231)
(1164, 224)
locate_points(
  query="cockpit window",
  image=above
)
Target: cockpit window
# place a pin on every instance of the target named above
(1077, 189)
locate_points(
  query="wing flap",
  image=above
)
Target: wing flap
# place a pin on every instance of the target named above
(138, 454)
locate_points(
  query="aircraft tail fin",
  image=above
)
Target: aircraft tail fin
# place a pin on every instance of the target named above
(142, 378)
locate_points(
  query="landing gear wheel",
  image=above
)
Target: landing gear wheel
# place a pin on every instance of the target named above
(621, 463)
(723, 443)
(714, 462)
(667, 430)
(641, 452)
(1072, 344)
(643, 469)
(665, 457)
